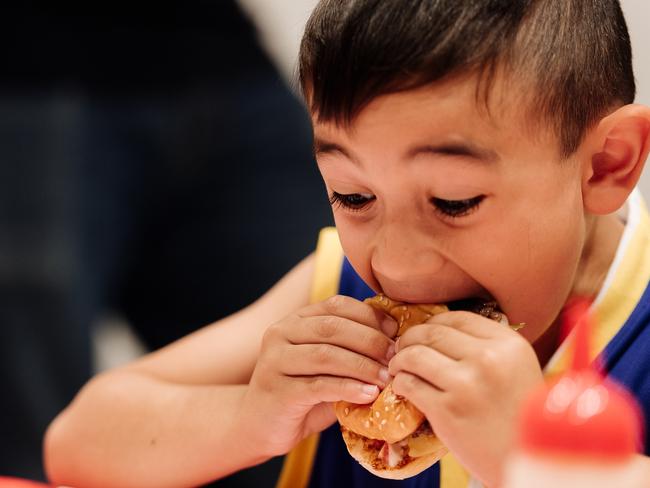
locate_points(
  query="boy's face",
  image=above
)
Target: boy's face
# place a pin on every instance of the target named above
(438, 201)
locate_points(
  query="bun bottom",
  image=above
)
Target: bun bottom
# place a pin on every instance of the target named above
(359, 448)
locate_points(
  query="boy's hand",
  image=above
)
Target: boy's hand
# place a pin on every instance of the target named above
(330, 351)
(468, 375)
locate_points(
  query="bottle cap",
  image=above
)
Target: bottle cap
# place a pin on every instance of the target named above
(581, 413)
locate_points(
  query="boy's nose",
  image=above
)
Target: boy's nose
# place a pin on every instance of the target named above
(407, 270)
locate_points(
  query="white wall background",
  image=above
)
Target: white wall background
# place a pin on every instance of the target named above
(280, 24)
(637, 14)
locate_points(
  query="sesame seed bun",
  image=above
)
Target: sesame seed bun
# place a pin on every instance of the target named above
(391, 423)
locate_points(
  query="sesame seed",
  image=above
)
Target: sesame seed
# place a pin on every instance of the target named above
(399, 416)
(377, 414)
(347, 411)
(383, 422)
(386, 408)
(367, 423)
(401, 424)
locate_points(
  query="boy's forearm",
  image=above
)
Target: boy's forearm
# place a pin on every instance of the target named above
(126, 429)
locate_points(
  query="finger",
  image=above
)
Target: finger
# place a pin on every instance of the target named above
(451, 342)
(321, 417)
(419, 392)
(471, 324)
(352, 309)
(325, 359)
(344, 333)
(312, 390)
(427, 363)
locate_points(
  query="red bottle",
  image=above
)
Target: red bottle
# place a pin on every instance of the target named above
(580, 429)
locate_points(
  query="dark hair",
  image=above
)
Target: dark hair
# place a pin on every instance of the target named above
(574, 54)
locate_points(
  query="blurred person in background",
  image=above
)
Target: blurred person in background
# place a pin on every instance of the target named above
(128, 137)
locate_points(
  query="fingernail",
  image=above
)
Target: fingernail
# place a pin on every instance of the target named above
(390, 352)
(369, 390)
(384, 375)
(389, 326)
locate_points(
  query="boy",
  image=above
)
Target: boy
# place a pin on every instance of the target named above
(469, 149)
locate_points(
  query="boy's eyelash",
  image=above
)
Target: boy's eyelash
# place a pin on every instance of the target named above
(457, 208)
(352, 201)
(447, 208)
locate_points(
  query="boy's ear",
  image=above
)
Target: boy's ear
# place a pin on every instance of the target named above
(618, 148)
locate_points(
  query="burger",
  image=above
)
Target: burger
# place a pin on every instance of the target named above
(390, 437)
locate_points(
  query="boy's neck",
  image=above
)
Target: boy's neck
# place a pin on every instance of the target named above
(603, 237)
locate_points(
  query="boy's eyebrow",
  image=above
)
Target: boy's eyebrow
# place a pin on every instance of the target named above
(455, 149)
(472, 151)
(322, 146)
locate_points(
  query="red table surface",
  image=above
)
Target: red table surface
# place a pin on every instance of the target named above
(20, 483)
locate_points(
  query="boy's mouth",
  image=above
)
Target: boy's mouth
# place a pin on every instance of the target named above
(419, 291)
(486, 307)
(479, 301)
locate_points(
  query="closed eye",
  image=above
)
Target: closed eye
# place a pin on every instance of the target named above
(457, 208)
(352, 201)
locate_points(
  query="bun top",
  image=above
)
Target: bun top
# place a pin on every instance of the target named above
(390, 418)
(406, 314)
